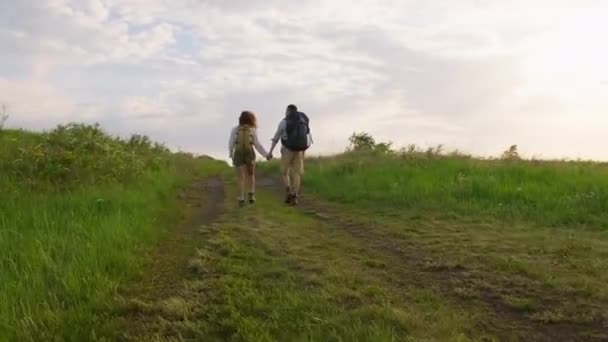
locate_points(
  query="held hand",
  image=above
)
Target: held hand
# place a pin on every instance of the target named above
(269, 157)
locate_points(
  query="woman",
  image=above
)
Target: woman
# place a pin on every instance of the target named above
(243, 139)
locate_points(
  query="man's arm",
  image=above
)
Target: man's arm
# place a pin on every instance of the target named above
(277, 136)
(274, 144)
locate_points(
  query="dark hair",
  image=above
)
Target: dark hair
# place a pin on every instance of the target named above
(292, 108)
(248, 118)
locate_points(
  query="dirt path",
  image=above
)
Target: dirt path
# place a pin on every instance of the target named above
(141, 306)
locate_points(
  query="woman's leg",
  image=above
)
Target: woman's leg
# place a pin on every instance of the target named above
(251, 177)
(241, 177)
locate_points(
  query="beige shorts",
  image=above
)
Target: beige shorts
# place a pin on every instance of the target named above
(292, 162)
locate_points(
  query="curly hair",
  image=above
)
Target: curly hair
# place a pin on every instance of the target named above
(248, 118)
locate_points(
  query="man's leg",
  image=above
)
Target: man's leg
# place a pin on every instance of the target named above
(285, 169)
(286, 180)
(297, 169)
(297, 181)
(288, 188)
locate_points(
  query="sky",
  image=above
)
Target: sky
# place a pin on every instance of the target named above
(473, 75)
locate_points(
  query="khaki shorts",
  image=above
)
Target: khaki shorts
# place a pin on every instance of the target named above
(292, 162)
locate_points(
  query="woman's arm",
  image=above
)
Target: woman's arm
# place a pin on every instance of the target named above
(258, 145)
(232, 142)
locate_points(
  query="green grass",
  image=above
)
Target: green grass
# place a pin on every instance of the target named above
(389, 247)
(533, 234)
(75, 224)
(547, 193)
(359, 264)
(273, 274)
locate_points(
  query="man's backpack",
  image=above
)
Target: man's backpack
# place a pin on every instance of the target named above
(298, 132)
(244, 140)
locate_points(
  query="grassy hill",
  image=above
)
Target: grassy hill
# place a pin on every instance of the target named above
(96, 244)
(526, 239)
(396, 246)
(549, 193)
(78, 207)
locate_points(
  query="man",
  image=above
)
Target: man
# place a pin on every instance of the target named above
(294, 134)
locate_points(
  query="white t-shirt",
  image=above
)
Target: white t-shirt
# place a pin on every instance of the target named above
(281, 133)
(234, 134)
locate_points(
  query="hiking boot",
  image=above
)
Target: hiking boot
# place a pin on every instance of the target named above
(295, 201)
(251, 198)
(289, 197)
(241, 203)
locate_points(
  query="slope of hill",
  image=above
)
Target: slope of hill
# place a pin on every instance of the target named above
(548, 193)
(386, 246)
(78, 207)
(391, 247)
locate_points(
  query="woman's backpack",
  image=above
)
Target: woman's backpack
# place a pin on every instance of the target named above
(244, 140)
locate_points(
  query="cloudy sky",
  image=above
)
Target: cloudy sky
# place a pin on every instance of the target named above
(474, 75)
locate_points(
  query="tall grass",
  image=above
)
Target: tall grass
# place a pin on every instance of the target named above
(548, 193)
(78, 208)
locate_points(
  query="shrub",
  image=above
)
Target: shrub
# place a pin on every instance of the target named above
(511, 154)
(361, 142)
(365, 142)
(80, 154)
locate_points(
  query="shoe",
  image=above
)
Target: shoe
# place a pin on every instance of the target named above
(289, 198)
(251, 198)
(241, 203)
(295, 200)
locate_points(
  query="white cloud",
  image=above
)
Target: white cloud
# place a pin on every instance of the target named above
(36, 105)
(477, 75)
